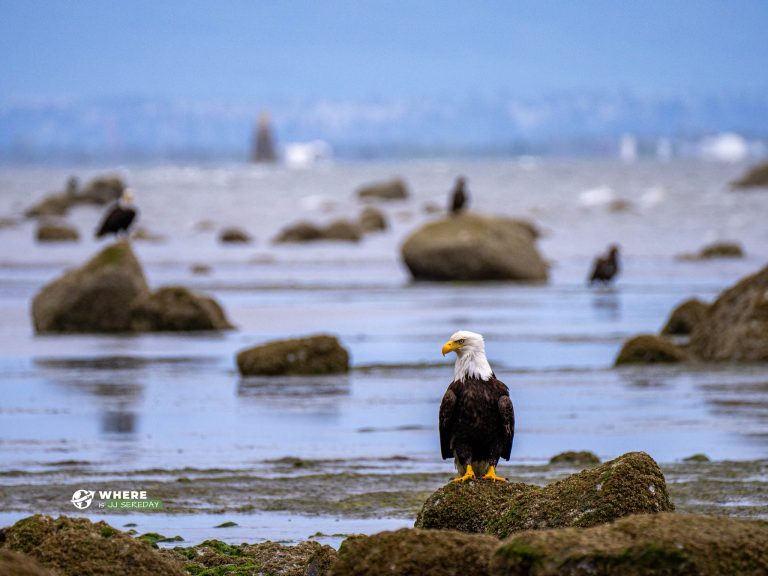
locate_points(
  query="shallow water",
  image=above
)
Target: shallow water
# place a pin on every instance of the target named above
(116, 404)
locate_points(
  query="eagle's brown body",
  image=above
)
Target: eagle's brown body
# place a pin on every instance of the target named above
(477, 423)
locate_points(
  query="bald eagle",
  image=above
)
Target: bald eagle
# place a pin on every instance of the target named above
(606, 267)
(477, 420)
(458, 196)
(119, 218)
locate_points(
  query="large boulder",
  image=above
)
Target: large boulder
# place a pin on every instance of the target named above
(389, 190)
(96, 297)
(372, 220)
(56, 232)
(338, 230)
(216, 557)
(663, 544)
(650, 349)
(98, 192)
(320, 354)
(410, 552)
(736, 325)
(630, 484)
(77, 546)
(685, 318)
(756, 177)
(474, 247)
(174, 308)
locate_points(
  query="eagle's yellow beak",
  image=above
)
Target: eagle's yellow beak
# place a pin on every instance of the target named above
(450, 346)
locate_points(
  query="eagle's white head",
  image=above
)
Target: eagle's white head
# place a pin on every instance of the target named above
(470, 356)
(126, 198)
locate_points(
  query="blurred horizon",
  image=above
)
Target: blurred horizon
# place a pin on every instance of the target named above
(135, 81)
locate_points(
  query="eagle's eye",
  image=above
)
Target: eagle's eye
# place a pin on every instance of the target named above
(461, 341)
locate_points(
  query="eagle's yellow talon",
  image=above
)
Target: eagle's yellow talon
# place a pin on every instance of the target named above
(468, 475)
(491, 475)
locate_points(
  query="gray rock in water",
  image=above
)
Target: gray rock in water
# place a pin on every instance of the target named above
(234, 236)
(52, 232)
(339, 231)
(650, 349)
(98, 192)
(756, 177)
(96, 297)
(473, 247)
(372, 220)
(174, 309)
(630, 484)
(320, 354)
(685, 317)
(716, 250)
(389, 190)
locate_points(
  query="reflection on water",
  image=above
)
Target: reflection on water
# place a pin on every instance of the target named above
(606, 302)
(118, 422)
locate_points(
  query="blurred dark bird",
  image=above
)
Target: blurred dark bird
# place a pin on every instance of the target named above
(477, 420)
(459, 196)
(119, 218)
(606, 267)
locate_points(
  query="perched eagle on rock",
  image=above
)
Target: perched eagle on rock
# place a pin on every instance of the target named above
(119, 218)
(477, 420)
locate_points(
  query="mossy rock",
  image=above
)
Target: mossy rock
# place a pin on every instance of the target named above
(697, 458)
(96, 297)
(468, 506)
(372, 220)
(472, 247)
(214, 558)
(77, 547)
(755, 177)
(16, 564)
(388, 190)
(342, 230)
(234, 236)
(661, 544)
(685, 317)
(50, 232)
(339, 231)
(630, 484)
(575, 458)
(650, 349)
(736, 326)
(174, 308)
(413, 552)
(320, 354)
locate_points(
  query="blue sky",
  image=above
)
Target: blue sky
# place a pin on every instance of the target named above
(246, 50)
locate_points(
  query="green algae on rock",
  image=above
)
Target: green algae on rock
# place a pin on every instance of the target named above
(214, 558)
(650, 349)
(17, 564)
(630, 484)
(575, 458)
(321, 354)
(414, 552)
(472, 247)
(697, 458)
(77, 546)
(663, 544)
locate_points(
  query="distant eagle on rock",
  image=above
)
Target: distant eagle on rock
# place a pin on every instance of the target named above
(119, 218)
(477, 420)
(459, 196)
(606, 267)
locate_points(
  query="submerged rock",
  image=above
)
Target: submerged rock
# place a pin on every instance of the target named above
(320, 354)
(685, 317)
(214, 557)
(174, 308)
(16, 564)
(77, 546)
(51, 232)
(389, 190)
(234, 236)
(145, 235)
(716, 250)
(638, 545)
(96, 297)
(735, 327)
(474, 247)
(756, 177)
(338, 230)
(411, 552)
(110, 294)
(574, 458)
(630, 484)
(650, 349)
(372, 220)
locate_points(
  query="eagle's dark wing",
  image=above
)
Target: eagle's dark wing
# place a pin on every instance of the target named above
(596, 270)
(117, 219)
(446, 423)
(507, 413)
